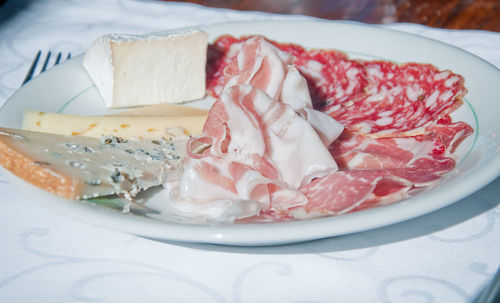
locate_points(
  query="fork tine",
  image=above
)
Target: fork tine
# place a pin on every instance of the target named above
(44, 67)
(58, 58)
(29, 75)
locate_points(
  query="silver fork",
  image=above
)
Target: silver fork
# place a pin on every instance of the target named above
(45, 66)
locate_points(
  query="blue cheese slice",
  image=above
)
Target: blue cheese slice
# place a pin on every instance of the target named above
(77, 167)
(136, 70)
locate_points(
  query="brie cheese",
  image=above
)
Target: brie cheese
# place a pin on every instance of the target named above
(137, 70)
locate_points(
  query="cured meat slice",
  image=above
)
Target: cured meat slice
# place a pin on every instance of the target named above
(344, 191)
(402, 100)
(254, 164)
(452, 134)
(219, 56)
(260, 65)
(361, 152)
(432, 151)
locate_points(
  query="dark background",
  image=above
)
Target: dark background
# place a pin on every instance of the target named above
(451, 14)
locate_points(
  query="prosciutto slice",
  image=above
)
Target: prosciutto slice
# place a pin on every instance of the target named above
(262, 65)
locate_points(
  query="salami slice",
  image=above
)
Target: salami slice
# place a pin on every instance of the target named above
(402, 100)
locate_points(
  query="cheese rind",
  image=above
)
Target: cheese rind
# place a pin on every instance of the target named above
(78, 167)
(135, 70)
(162, 110)
(121, 126)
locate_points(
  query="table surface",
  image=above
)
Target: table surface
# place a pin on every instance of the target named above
(450, 14)
(445, 256)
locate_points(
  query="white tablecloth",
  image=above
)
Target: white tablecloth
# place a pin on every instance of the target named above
(446, 256)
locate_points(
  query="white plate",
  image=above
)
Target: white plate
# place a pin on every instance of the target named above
(67, 89)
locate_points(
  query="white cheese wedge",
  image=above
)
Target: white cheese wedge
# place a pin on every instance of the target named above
(78, 167)
(174, 124)
(135, 70)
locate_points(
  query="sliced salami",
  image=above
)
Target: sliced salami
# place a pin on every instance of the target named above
(402, 100)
